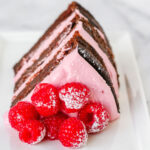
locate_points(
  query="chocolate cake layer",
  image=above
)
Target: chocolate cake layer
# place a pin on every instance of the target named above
(94, 59)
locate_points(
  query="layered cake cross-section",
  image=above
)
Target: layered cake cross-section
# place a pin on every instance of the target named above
(73, 49)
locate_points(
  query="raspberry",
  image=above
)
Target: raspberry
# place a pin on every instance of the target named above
(72, 133)
(20, 113)
(32, 132)
(95, 117)
(52, 125)
(45, 99)
(73, 97)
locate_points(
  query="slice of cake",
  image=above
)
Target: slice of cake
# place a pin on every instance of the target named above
(73, 49)
(66, 86)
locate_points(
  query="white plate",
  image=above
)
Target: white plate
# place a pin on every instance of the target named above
(130, 132)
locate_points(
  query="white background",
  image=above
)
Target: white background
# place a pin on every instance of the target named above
(130, 15)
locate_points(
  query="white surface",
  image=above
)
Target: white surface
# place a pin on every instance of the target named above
(130, 132)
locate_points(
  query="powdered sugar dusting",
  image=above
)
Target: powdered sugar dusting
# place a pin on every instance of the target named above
(99, 125)
(73, 98)
(82, 138)
(41, 137)
(50, 104)
(38, 87)
(19, 117)
(52, 96)
(47, 105)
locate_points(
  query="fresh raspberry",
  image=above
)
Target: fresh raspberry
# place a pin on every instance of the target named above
(73, 97)
(45, 99)
(52, 125)
(72, 133)
(32, 132)
(20, 113)
(95, 117)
